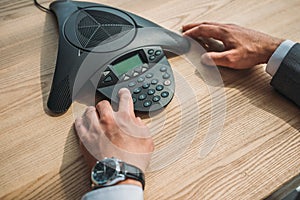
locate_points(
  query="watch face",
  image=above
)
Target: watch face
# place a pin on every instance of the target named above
(104, 171)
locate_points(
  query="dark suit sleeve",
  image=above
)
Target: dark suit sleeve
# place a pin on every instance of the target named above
(287, 78)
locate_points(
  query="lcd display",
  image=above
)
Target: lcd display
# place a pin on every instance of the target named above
(128, 64)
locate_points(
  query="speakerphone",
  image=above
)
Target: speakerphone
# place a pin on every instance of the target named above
(117, 47)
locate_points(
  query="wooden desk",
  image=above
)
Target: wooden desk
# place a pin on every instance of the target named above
(257, 150)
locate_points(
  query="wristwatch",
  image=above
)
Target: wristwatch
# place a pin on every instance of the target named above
(110, 171)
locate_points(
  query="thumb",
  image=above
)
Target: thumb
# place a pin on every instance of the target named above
(216, 58)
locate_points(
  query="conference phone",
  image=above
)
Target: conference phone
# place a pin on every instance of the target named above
(120, 48)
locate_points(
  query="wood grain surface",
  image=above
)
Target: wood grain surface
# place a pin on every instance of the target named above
(256, 150)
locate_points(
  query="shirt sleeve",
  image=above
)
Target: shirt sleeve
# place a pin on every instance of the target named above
(278, 56)
(117, 192)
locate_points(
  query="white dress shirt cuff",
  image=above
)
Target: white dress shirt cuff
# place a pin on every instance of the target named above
(117, 192)
(278, 56)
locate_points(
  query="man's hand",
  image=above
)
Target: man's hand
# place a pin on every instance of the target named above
(244, 48)
(105, 133)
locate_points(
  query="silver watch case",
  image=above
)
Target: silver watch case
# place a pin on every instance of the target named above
(116, 177)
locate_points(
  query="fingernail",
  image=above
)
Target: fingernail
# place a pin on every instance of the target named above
(182, 29)
(206, 60)
(123, 90)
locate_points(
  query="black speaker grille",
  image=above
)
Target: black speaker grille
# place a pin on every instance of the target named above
(96, 27)
(60, 97)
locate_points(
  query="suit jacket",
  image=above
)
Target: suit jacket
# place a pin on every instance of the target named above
(287, 78)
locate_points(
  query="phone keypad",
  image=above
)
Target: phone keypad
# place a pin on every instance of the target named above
(150, 91)
(151, 84)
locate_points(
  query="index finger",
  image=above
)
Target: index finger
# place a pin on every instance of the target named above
(192, 25)
(207, 31)
(126, 103)
(189, 26)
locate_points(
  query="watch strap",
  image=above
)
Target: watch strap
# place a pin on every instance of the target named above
(133, 172)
